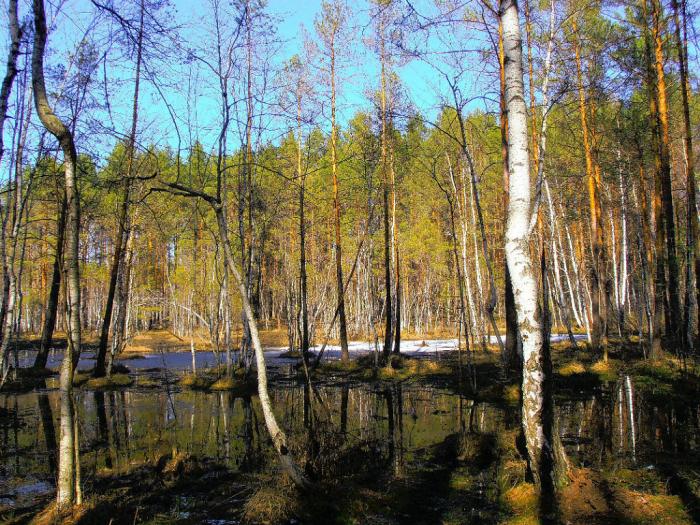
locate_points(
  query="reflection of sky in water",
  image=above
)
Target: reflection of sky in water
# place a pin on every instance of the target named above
(614, 424)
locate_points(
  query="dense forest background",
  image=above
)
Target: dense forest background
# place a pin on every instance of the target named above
(268, 131)
(494, 175)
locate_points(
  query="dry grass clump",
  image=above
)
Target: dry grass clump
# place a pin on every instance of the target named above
(196, 382)
(648, 509)
(522, 499)
(461, 481)
(234, 384)
(144, 381)
(402, 368)
(606, 371)
(291, 354)
(336, 366)
(659, 369)
(105, 383)
(270, 506)
(511, 394)
(571, 369)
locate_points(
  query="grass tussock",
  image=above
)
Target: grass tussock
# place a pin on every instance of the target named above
(571, 369)
(107, 383)
(144, 381)
(337, 366)
(662, 370)
(398, 368)
(402, 368)
(234, 384)
(605, 370)
(646, 509)
(291, 354)
(511, 394)
(196, 382)
(271, 505)
(522, 499)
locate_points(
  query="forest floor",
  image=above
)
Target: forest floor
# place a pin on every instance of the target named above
(469, 477)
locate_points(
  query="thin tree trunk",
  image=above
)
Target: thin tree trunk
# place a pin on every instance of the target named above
(301, 177)
(52, 300)
(279, 439)
(692, 291)
(659, 231)
(386, 188)
(68, 492)
(344, 353)
(124, 219)
(674, 320)
(598, 336)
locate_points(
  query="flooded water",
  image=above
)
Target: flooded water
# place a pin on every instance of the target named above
(385, 429)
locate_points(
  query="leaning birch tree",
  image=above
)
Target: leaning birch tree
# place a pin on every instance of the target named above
(68, 484)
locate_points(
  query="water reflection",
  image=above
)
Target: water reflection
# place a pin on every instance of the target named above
(337, 430)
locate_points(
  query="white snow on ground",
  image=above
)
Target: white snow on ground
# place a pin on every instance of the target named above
(414, 347)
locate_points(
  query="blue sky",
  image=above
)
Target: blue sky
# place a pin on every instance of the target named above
(357, 80)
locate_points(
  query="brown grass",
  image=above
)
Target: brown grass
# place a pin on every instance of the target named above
(196, 382)
(571, 369)
(605, 371)
(271, 506)
(106, 383)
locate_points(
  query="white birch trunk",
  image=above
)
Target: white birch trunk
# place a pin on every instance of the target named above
(517, 241)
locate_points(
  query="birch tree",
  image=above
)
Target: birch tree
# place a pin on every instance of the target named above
(537, 414)
(68, 485)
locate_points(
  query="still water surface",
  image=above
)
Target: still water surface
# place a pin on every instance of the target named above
(390, 426)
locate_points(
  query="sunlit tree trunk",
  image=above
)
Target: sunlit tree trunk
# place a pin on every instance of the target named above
(13, 248)
(301, 177)
(658, 230)
(384, 164)
(674, 311)
(537, 416)
(279, 439)
(512, 360)
(10, 74)
(68, 487)
(598, 335)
